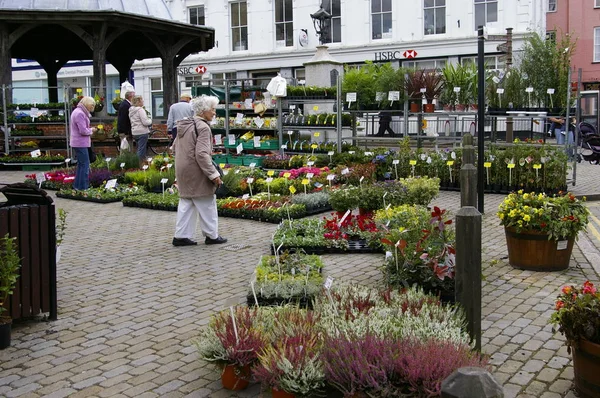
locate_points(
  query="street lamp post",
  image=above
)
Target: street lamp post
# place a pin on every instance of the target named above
(321, 20)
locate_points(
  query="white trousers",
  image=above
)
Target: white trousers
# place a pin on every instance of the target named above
(206, 207)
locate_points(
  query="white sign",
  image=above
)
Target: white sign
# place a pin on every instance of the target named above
(350, 97)
(252, 165)
(218, 139)
(164, 180)
(310, 163)
(256, 142)
(328, 282)
(423, 90)
(330, 153)
(394, 96)
(379, 96)
(249, 180)
(269, 180)
(36, 153)
(41, 177)
(259, 122)
(122, 165)
(331, 177)
(550, 91)
(310, 175)
(111, 183)
(457, 89)
(499, 91)
(529, 90)
(345, 171)
(231, 139)
(395, 161)
(284, 146)
(239, 148)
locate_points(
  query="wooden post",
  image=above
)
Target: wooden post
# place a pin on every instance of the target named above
(468, 269)
(468, 173)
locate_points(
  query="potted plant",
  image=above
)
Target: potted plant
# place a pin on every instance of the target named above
(433, 84)
(10, 263)
(233, 348)
(540, 230)
(344, 198)
(413, 82)
(292, 366)
(116, 102)
(577, 316)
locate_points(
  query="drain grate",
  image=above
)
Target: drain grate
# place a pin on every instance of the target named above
(237, 246)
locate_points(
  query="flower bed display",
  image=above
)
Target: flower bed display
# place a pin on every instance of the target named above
(328, 235)
(100, 195)
(154, 201)
(357, 340)
(29, 159)
(286, 278)
(259, 209)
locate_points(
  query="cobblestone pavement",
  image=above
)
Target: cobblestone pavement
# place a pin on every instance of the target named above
(130, 305)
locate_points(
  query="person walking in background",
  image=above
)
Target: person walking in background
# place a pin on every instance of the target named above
(385, 118)
(123, 123)
(140, 125)
(81, 141)
(177, 112)
(197, 176)
(563, 133)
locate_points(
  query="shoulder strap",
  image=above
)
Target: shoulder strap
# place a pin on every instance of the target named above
(196, 128)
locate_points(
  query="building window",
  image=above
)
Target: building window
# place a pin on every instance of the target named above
(551, 36)
(597, 4)
(196, 15)
(491, 62)
(334, 31)
(381, 19)
(239, 26)
(156, 92)
(552, 5)
(218, 79)
(486, 11)
(284, 25)
(300, 76)
(435, 17)
(425, 64)
(596, 44)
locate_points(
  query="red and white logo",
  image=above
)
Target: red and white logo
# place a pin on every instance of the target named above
(409, 54)
(200, 69)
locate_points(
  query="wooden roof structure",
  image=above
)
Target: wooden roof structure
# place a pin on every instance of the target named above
(53, 37)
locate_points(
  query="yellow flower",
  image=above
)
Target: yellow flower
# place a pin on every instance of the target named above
(526, 196)
(501, 215)
(520, 192)
(526, 218)
(512, 213)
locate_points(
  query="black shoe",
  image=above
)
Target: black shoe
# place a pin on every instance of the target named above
(183, 242)
(217, 241)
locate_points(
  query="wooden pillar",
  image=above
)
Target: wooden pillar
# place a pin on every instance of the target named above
(52, 67)
(99, 46)
(5, 63)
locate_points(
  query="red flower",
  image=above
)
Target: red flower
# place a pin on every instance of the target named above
(567, 289)
(559, 305)
(589, 288)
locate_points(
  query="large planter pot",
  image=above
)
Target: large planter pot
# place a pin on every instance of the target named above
(531, 250)
(586, 366)
(5, 334)
(235, 378)
(281, 394)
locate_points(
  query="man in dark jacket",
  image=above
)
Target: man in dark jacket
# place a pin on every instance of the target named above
(123, 122)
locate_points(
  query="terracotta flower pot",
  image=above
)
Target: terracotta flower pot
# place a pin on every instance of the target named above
(415, 107)
(428, 108)
(281, 394)
(531, 250)
(586, 366)
(235, 377)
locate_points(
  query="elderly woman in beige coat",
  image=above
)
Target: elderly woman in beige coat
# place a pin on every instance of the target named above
(197, 177)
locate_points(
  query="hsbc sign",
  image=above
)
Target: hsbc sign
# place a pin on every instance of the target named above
(392, 55)
(191, 70)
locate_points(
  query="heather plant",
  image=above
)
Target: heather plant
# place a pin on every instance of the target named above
(223, 344)
(420, 366)
(356, 364)
(293, 364)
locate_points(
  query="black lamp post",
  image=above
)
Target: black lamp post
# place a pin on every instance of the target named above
(321, 20)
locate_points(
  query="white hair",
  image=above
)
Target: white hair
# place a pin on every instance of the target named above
(204, 103)
(87, 101)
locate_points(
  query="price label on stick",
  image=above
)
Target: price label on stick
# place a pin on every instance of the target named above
(310, 163)
(412, 162)
(145, 167)
(328, 282)
(293, 189)
(269, 180)
(250, 180)
(111, 183)
(164, 180)
(487, 165)
(395, 161)
(330, 153)
(67, 161)
(123, 165)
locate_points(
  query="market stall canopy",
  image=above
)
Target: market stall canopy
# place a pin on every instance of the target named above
(53, 32)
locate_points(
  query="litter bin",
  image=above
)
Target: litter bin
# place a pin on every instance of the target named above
(29, 215)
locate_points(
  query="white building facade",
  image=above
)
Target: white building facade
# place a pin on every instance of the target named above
(260, 38)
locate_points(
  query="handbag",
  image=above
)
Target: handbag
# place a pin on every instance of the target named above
(92, 154)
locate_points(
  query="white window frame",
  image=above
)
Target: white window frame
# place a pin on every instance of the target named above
(198, 7)
(384, 35)
(239, 26)
(485, 4)
(287, 24)
(438, 63)
(491, 61)
(597, 4)
(597, 44)
(336, 20)
(552, 5)
(434, 8)
(156, 96)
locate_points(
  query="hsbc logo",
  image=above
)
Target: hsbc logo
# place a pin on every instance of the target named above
(392, 55)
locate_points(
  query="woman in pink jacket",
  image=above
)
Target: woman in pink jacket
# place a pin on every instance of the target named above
(81, 141)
